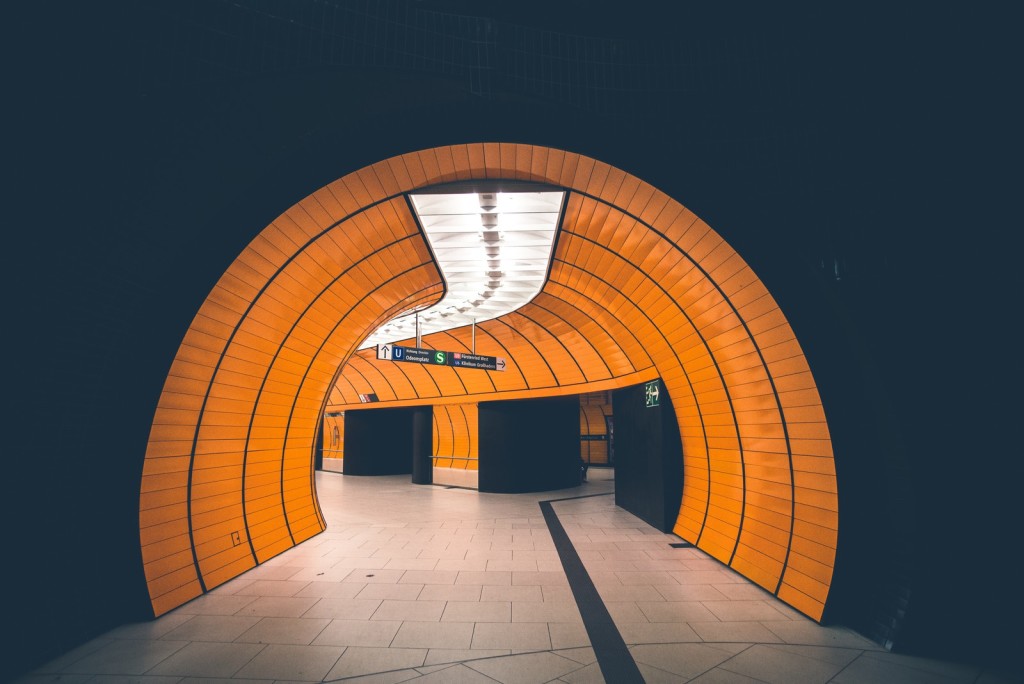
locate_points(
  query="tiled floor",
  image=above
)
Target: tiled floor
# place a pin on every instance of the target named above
(434, 584)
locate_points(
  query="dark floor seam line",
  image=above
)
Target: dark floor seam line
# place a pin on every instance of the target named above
(613, 657)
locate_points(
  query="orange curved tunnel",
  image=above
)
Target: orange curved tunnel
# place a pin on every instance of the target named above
(639, 288)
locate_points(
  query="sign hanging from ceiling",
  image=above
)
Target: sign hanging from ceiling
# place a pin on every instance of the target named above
(436, 357)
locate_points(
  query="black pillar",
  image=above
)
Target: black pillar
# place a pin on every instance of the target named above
(648, 454)
(378, 441)
(422, 445)
(529, 445)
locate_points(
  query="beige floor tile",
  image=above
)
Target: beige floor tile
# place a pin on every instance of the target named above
(459, 565)
(805, 631)
(272, 588)
(130, 657)
(343, 609)
(589, 674)
(706, 577)
(429, 577)
(216, 604)
(741, 611)
(331, 590)
(541, 578)
(625, 611)
(754, 632)
(455, 674)
(362, 660)
(453, 592)
(530, 565)
(686, 660)
(512, 593)
(477, 611)
(154, 629)
(657, 633)
(484, 577)
(545, 611)
(446, 635)
(449, 655)
(379, 633)
(294, 663)
(526, 668)
(207, 660)
(559, 593)
(690, 592)
(523, 636)
(773, 665)
(405, 592)
(418, 563)
(419, 611)
(375, 576)
(275, 630)
(279, 606)
(675, 611)
(568, 635)
(221, 628)
(654, 675)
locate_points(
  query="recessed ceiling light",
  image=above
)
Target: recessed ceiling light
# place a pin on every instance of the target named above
(490, 246)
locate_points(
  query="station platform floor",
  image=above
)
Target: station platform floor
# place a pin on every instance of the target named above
(425, 583)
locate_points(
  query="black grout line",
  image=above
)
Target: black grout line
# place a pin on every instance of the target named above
(613, 656)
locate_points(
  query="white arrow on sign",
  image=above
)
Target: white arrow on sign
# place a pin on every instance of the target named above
(384, 352)
(499, 363)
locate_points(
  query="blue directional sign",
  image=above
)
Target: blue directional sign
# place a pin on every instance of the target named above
(462, 360)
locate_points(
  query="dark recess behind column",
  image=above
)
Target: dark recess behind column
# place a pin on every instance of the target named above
(379, 441)
(529, 445)
(648, 457)
(422, 445)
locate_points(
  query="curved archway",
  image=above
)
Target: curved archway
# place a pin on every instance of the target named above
(638, 281)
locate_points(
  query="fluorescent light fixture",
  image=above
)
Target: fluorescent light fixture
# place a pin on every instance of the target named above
(493, 248)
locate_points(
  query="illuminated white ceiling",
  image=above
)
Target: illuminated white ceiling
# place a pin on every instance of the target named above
(493, 250)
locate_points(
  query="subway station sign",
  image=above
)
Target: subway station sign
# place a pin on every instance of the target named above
(436, 357)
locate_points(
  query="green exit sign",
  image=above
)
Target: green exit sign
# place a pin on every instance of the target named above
(652, 391)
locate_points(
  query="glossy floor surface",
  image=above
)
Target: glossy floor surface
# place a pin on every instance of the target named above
(435, 584)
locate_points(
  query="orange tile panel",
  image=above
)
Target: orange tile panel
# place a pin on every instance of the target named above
(770, 510)
(715, 543)
(814, 569)
(808, 431)
(170, 564)
(761, 559)
(163, 497)
(803, 582)
(810, 607)
(761, 313)
(216, 518)
(159, 515)
(183, 580)
(154, 483)
(815, 523)
(164, 531)
(816, 559)
(815, 498)
(814, 464)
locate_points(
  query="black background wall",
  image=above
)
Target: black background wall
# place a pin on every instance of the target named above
(648, 456)
(863, 159)
(529, 445)
(379, 441)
